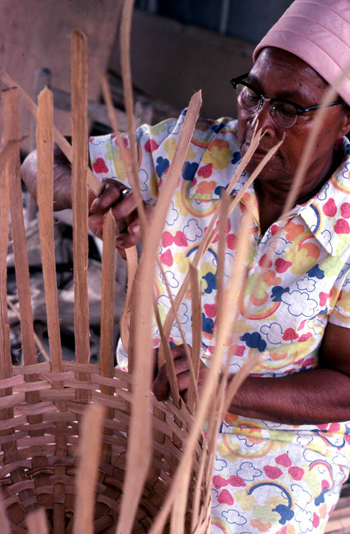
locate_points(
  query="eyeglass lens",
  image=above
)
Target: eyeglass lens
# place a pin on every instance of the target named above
(283, 114)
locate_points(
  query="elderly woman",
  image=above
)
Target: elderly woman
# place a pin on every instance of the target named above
(284, 447)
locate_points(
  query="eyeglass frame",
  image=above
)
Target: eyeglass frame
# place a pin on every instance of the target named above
(300, 110)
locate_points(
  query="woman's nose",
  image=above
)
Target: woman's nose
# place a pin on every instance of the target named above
(266, 122)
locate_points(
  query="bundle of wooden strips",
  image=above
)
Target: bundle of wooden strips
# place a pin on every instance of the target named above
(135, 465)
(39, 460)
(42, 404)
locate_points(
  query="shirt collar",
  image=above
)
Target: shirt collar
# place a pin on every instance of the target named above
(327, 214)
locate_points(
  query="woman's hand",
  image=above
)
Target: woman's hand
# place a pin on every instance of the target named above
(315, 396)
(125, 214)
(123, 208)
(161, 385)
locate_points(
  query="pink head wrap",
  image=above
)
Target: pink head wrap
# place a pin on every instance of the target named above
(318, 32)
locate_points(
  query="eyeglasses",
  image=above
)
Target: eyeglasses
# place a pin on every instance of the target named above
(283, 112)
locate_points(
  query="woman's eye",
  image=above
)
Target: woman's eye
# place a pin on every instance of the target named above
(285, 109)
(251, 96)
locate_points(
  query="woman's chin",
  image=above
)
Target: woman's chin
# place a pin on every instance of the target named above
(271, 171)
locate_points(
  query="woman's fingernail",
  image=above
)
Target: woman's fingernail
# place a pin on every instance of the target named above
(135, 228)
(91, 210)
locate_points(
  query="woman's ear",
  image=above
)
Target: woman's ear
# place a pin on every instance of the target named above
(345, 128)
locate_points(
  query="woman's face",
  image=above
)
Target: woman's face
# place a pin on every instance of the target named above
(277, 73)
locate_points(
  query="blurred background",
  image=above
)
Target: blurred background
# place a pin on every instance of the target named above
(178, 47)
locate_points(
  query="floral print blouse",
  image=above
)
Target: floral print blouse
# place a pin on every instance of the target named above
(307, 282)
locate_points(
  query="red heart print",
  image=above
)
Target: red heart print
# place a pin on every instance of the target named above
(345, 210)
(206, 170)
(236, 481)
(290, 334)
(180, 239)
(272, 472)
(342, 227)
(167, 239)
(296, 473)
(167, 258)
(282, 265)
(151, 145)
(219, 482)
(99, 166)
(330, 208)
(284, 460)
(231, 241)
(210, 310)
(225, 497)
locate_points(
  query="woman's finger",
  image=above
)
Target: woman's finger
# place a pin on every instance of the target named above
(161, 385)
(95, 222)
(111, 193)
(126, 240)
(123, 209)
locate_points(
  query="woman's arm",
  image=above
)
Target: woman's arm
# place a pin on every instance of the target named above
(62, 178)
(315, 396)
(124, 209)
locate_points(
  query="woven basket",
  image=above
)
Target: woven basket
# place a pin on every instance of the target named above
(41, 404)
(39, 441)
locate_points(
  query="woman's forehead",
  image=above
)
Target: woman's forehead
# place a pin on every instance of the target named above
(279, 69)
(279, 58)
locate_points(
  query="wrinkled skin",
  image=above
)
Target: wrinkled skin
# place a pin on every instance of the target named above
(278, 73)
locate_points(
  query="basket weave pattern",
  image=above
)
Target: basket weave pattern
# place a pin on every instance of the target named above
(39, 444)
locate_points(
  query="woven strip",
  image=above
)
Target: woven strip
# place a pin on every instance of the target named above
(30, 441)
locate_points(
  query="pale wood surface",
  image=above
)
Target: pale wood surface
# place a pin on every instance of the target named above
(61, 141)
(5, 350)
(21, 263)
(107, 298)
(11, 130)
(34, 441)
(86, 479)
(4, 523)
(37, 522)
(80, 200)
(44, 139)
(44, 142)
(138, 464)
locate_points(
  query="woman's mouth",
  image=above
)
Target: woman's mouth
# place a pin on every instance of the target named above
(259, 155)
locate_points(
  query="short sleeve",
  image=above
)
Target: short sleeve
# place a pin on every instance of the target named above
(213, 152)
(107, 164)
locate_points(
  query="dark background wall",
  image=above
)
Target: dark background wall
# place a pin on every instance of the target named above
(248, 19)
(179, 46)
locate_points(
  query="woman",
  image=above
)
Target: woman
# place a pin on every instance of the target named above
(284, 446)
